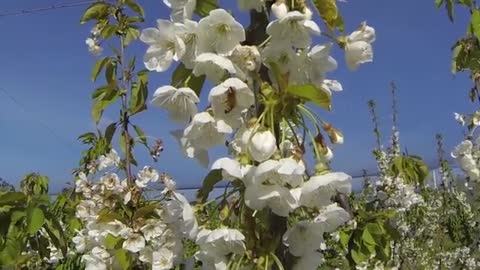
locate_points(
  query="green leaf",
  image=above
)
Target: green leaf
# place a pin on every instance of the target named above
(110, 131)
(139, 94)
(97, 10)
(467, 3)
(143, 76)
(358, 255)
(97, 68)
(147, 211)
(111, 73)
(476, 23)
(106, 215)
(108, 31)
(213, 177)
(375, 229)
(35, 219)
(449, 6)
(344, 238)
(102, 101)
(135, 7)
(183, 76)
(311, 93)
(12, 197)
(123, 258)
(412, 168)
(329, 13)
(56, 232)
(140, 134)
(204, 7)
(456, 51)
(438, 3)
(111, 241)
(367, 237)
(132, 34)
(180, 74)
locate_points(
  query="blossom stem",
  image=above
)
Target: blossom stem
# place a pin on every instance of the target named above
(311, 117)
(125, 82)
(266, 262)
(314, 143)
(277, 261)
(265, 42)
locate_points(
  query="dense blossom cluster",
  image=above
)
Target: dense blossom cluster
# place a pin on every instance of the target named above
(156, 238)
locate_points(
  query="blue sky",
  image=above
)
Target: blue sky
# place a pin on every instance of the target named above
(45, 66)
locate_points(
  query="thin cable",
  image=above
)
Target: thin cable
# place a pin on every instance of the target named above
(43, 124)
(44, 9)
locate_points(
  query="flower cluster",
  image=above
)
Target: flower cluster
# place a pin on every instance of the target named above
(153, 234)
(93, 42)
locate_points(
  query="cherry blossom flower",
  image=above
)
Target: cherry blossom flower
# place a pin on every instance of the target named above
(145, 176)
(165, 46)
(181, 103)
(358, 49)
(319, 189)
(219, 32)
(229, 99)
(213, 66)
(181, 9)
(294, 28)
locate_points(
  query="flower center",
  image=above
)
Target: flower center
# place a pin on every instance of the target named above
(223, 29)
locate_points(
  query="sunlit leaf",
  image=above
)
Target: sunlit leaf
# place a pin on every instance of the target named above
(97, 10)
(311, 93)
(204, 7)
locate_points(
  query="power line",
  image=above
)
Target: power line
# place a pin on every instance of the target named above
(45, 9)
(43, 124)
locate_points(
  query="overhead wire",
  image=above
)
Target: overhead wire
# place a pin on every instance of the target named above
(45, 8)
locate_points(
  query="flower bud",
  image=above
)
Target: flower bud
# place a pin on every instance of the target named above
(262, 145)
(335, 135)
(279, 9)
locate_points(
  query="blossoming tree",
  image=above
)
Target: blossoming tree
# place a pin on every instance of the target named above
(265, 78)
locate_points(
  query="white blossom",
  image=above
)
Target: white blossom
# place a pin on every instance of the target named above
(111, 181)
(96, 259)
(93, 47)
(358, 49)
(219, 32)
(261, 145)
(215, 67)
(111, 159)
(165, 46)
(270, 186)
(216, 244)
(181, 9)
(319, 190)
(189, 149)
(231, 168)
(188, 32)
(229, 100)
(294, 28)
(181, 103)
(134, 243)
(279, 9)
(205, 131)
(460, 118)
(145, 176)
